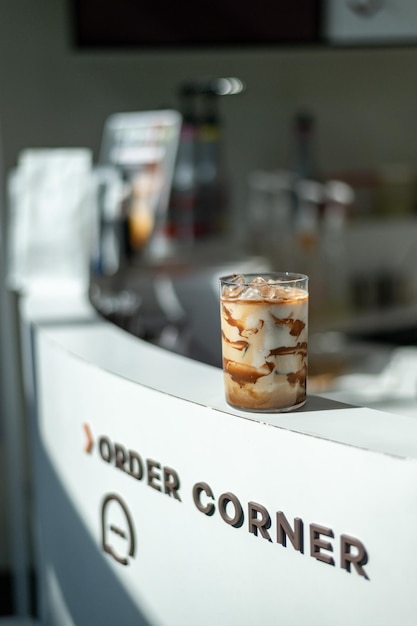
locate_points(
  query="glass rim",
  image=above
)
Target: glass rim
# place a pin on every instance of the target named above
(277, 278)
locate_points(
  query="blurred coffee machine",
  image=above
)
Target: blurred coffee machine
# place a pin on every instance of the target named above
(133, 181)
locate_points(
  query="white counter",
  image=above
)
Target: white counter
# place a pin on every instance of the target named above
(76, 328)
(219, 516)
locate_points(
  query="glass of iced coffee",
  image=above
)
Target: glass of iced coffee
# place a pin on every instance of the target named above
(264, 325)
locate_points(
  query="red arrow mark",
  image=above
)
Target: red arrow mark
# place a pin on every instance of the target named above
(90, 441)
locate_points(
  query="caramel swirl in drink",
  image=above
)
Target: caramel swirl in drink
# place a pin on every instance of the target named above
(264, 323)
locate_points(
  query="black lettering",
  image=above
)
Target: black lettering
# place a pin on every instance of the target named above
(347, 558)
(105, 448)
(120, 456)
(284, 530)
(317, 544)
(171, 483)
(198, 488)
(259, 519)
(135, 465)
(237, 519)
(152, 475)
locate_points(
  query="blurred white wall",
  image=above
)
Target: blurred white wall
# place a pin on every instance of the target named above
(52, 95)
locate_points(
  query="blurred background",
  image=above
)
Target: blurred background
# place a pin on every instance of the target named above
(57, 93)
(346, 67)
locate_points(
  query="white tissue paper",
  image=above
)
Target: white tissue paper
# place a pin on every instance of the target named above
(51, 211)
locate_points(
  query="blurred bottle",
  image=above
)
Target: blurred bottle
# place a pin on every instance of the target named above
(183, 197)
(306, 192)
(211, 217)
(303, 158)
(338, 200)
(199, 203)
(306, 197)
(306, 252)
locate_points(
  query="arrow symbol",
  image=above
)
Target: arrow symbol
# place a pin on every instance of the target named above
(88, 446)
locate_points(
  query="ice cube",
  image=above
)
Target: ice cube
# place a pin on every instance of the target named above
(259, 288)
(235, 290)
